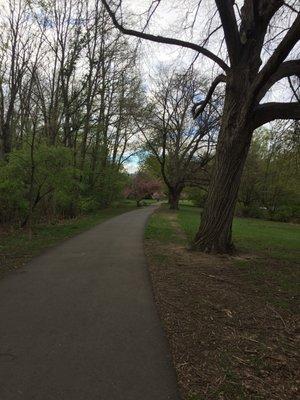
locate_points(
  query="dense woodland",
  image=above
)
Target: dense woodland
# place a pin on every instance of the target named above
(75, 107)
(69, 87)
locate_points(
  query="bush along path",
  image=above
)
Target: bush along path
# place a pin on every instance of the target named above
(79, 321)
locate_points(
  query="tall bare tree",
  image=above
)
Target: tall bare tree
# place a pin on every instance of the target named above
(16, 48)
(182, 146)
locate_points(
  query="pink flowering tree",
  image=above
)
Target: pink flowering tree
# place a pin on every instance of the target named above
(142, 186)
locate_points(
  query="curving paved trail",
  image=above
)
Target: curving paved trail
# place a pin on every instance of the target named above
(79, 322)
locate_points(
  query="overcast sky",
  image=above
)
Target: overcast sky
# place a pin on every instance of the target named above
(169, 20)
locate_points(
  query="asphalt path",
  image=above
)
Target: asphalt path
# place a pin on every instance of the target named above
(79, 322)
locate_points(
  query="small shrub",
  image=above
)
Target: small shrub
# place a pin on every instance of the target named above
(286, 214)
(88, 205)
(253, 211)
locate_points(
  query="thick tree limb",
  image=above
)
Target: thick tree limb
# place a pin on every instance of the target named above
(286, 69)
(230, 28)
(268, 112)
(278, 57)
(165, 40)
(197, 111)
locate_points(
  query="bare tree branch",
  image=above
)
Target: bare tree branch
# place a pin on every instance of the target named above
(286, 69)
(279, 55)
(231, 32)
(165, 40)
(268, 112)
(197, 111)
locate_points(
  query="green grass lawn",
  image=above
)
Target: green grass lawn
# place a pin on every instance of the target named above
(159, 228)
(16, 247)
(148, 202)
(273, 239)
(274, 245)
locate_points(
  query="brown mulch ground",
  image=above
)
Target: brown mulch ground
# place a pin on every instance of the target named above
(227, 340)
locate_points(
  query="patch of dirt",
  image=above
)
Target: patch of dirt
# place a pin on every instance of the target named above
(228, 342)
(172, 217)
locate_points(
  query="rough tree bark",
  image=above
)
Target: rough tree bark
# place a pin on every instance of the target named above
(174, 197)
(174, 194)
(214, 234)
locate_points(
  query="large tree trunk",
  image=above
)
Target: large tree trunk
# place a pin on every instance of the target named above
(214, 234)
(174, 197)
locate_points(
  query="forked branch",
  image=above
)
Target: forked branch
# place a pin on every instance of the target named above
(282, 51)
(286, 69)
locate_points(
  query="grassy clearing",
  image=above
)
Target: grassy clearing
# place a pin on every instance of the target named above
(272, 239)
(276, 246)
(231, 321)
(16, 248)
